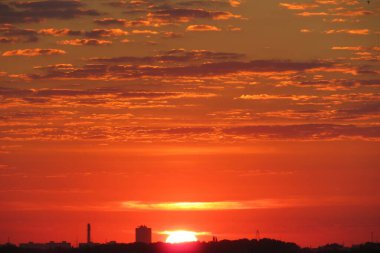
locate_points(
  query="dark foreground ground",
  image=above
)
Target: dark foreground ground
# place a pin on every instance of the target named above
(225, 246)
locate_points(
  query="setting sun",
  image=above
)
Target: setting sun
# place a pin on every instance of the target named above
(181, 236)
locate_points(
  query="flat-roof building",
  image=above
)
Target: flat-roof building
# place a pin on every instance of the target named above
(144, 234)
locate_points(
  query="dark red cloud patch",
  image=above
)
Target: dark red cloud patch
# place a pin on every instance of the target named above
(25, 12)
(103, 71)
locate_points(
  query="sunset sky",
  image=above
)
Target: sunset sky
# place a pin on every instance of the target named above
(219, 117)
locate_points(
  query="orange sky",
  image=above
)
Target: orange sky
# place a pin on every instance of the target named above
(222, 117)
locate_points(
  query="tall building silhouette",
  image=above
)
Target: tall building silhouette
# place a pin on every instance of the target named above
(88, 243)
(89, 233)
(144, 234)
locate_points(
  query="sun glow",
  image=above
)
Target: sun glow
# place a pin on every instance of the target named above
(181, 236)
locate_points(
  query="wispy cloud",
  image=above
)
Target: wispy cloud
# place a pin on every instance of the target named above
(214, 206)
(168, 232)
(232, 205)
(185, 206)
(349, 31)
(304, 6)
(85, 42)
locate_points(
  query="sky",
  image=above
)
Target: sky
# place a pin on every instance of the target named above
(219, 117)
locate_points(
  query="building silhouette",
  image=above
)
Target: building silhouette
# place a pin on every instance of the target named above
(144, 234)
(89, 233)
(88, 243)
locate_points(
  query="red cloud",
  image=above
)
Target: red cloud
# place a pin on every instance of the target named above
(357, 48)
(85, 42)
(203, 28)
(349, 31)
(235, 3)
(59, 32)
(98, 33)
(33, 52)
(292, 6)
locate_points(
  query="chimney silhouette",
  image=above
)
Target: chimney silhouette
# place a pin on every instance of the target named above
(89, 233)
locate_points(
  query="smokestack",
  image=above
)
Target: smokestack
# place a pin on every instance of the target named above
(89, 233)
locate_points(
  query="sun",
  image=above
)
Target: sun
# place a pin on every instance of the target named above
(181, 236)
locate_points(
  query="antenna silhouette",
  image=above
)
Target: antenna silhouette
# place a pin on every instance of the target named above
(257, 235)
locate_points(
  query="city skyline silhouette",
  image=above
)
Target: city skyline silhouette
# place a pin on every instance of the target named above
(243, 245)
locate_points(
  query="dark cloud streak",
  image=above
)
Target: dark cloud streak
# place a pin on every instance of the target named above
(26, 12)
(101, 71)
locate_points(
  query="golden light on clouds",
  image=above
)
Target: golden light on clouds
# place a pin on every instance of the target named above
(34, 52)
(202, 206)
(240, 205)
(179, 205)
(235, 3)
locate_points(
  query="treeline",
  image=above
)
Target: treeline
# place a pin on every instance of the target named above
(225, 246)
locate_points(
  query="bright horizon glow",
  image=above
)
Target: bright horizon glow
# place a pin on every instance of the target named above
(181, 236)
(199, 206)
